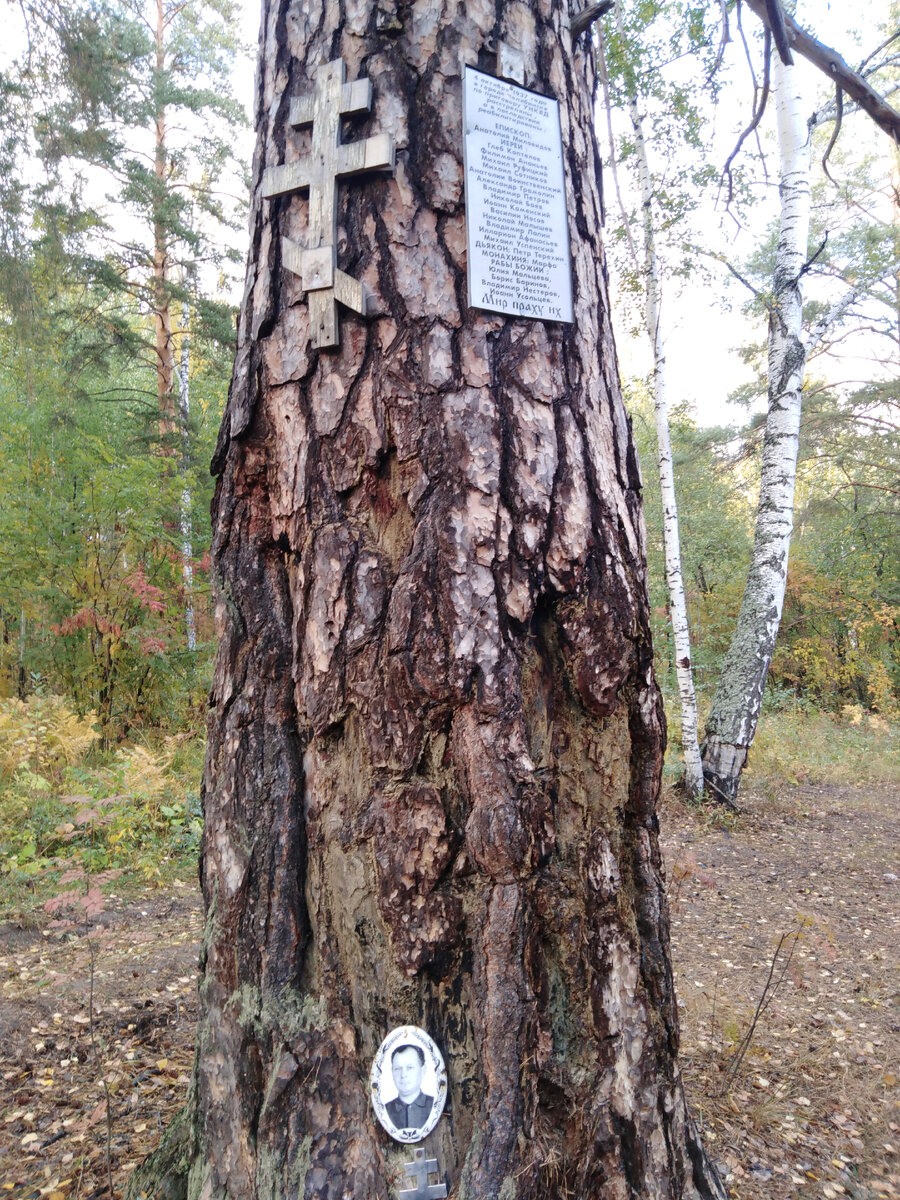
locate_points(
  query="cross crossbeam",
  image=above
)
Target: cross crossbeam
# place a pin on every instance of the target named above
(329, 160)
(419, 1171)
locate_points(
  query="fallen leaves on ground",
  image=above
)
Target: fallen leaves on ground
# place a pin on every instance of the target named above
(63, 1052)
(814, 1109)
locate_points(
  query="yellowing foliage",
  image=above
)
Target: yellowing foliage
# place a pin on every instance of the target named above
(837, 639)
(144, 771)
(858, 748)
(43, 732)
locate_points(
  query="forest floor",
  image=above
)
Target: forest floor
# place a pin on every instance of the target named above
(96, 1026)
(812, 1108)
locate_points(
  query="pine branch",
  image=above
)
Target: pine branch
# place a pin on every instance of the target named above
(834, 66)
(584, 19)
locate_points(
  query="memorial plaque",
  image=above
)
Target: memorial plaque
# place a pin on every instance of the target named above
(408, 1084)
(516, 221)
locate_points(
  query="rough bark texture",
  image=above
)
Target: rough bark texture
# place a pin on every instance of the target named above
(735, 711)
(162, 310)
(435, 737)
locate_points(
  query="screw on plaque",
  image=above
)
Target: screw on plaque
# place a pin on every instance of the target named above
(419, 1171)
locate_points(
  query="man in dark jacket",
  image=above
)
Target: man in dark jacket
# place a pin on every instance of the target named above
(412, 1107)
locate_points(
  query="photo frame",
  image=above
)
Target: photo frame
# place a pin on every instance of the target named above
(408, 1084)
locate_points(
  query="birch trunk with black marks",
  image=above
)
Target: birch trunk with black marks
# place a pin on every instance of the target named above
(185, 520)
(733, 717)
(435, 739)
(653, 323)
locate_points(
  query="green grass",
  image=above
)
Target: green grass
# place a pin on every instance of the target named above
(853, 749)
(794, 745)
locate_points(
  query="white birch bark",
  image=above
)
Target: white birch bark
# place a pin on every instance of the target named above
(736, 707)
(184, 515)
(653, 320)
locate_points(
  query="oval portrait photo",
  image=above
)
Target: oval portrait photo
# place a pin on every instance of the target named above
(409, 1084)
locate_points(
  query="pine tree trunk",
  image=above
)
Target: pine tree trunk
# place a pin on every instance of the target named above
(162, 311)
(653, 321)
(733, 717)
(435, 736)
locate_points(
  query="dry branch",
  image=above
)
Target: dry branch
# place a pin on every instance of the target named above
(584, 19)
(834, 66)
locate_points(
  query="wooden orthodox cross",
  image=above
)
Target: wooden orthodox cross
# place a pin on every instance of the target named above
(319, 172)
(420, 1170)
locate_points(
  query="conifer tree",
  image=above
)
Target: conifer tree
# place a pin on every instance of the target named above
(435, 737)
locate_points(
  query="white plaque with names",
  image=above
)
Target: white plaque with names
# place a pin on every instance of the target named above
(516, 222)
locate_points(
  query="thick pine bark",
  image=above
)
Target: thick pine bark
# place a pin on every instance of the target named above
(435, 737)
(733, 718)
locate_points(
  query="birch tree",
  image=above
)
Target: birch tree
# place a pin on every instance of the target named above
(435, 738)
(733, 718)
(185, 507)
(735, 711)
(649, 272)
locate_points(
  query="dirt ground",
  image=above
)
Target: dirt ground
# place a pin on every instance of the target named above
(95, 1059)
(814, 1107)
(79, 1046)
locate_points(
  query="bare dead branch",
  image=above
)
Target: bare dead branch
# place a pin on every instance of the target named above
(837, 70)
(720, 258)
(765, 999)
(829, 112)
(872, 487)
(779, 31)
(760, 100)
(746, 282)
(721, 797)
(878, 49)
(747, 54)
(724, 39)
(749, 58)
(809, 262)
(584, 19)
(839, 116)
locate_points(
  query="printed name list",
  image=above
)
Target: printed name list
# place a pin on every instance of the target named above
(516, 224)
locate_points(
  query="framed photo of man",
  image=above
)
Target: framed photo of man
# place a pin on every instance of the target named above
(409, 1084)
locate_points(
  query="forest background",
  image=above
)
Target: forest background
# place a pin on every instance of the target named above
(124, 155)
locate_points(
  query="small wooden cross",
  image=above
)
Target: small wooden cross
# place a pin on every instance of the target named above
(420, 1170)
(319, 172)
